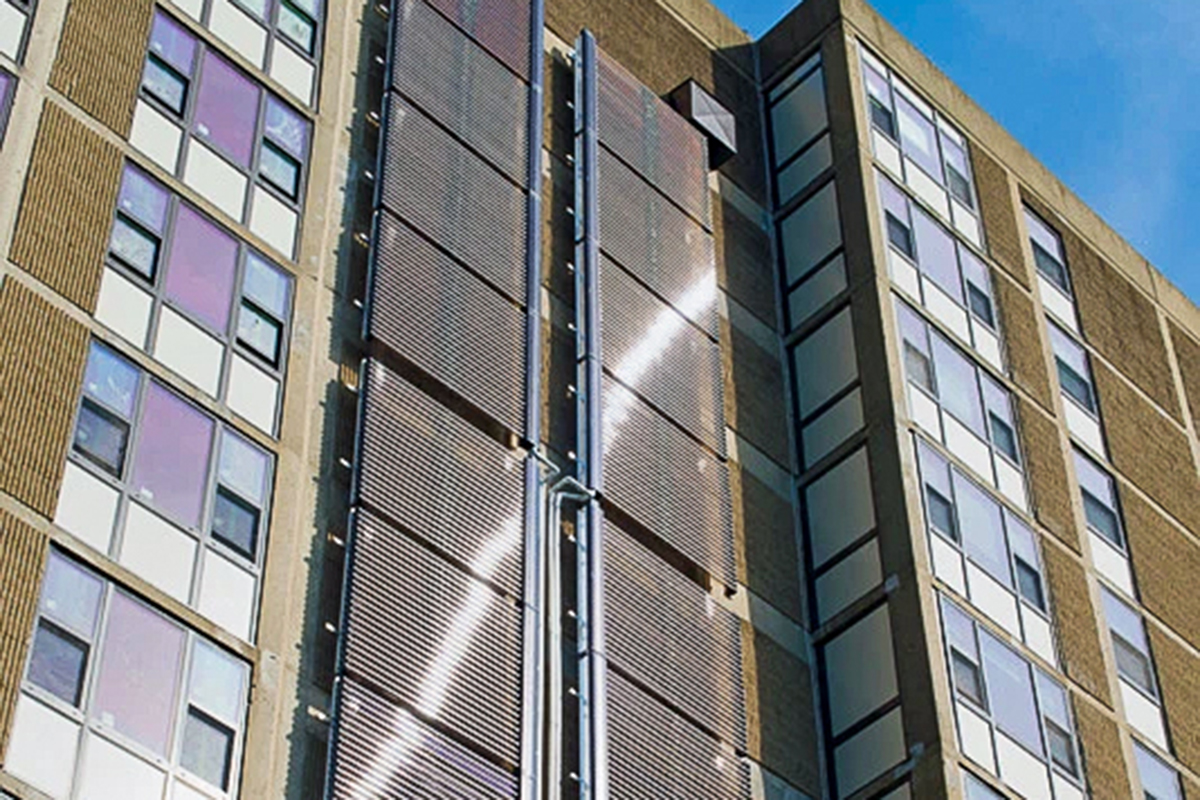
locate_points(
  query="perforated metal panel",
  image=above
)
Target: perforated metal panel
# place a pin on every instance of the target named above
(654, 754)
(438, 315)
(462, 86)
(434, 638)
(454, 197)
(654, 240)
(657, 352)
(430, 471)
(671, 636)
(668, 482)
(501, 26)
(382, 750)
(651, 137)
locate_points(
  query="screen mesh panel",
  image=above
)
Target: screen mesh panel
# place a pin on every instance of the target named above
(438, 315)
(430, 471)
(382, 750)
(501, 26)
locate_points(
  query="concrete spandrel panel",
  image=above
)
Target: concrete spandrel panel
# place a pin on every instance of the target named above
(839, 506)
(811, 232)
(825, 362)
(87, 507)
(850, 579)
(869, 753)
(860, 669)
(41, 743)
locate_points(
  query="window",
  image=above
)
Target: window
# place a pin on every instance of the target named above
(8, 90)
(14, 27)
(179, 480)
(196, 297)
(801, 149)
(975, 789)
(1056, 719)
(1074, 374)
(966, 673)
(127, 673)
(1159, 781)
(1130, 645)
(1099, 500)
(879, 97)
(1047, 251)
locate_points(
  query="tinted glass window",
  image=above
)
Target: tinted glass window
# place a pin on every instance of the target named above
(203, 263)
(1008, 677)
(227, 109)
(173, 449)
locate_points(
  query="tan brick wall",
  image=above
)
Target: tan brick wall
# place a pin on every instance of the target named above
(66, 211)
(1023, 339)
(1167, 563)
(1187, 355)
(1179, 681)
(1047, 470)
(763, 526)
(1103, 758)
(1078, 636)
(99, 64)
(780, 713)
(22, 559)
(754, 399)
(1001, 228)
(744, 266)
(41, 365)
(1147, 448)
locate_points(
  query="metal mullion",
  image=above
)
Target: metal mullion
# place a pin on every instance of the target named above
(158, 286)
(88, 695)
(204, 530)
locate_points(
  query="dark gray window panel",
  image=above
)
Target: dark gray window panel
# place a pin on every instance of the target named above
(460, 85)
(382, 750)
(668, 634)
(650, 136)
(445, 320)
(656, 754)
(501, 26)
(659, 244)
(654, 350)
(454, 197)
(667, 481)
(429, 470)
(434, 638)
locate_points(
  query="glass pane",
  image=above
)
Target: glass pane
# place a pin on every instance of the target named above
(134, 247)
(917, 366)
(941, 513)
(259, 8)
(71, 595)
(981, 305)
(895, 202)
(877, 86)
(1008, 678)
(217, 682)
(1102, 519)
(235, 522)
(1054, 700)
(268, 286)
(1124, 621)
(982, 529)
(1094, 480)
(297, 26)
(172, 43)
(1159, 781)
(935, 470)
(1051, 268)
(1029, 584)
(1068, 350)
(227, 109)
(960, 629)
(936, 254)
(917, 138)
(207, 748)
(57, 662)
(912, 327)
(1003, 437)
(138, 680)
(1133, 666)
(165, 84)
(171, 462)
(978, 790)
(101, 437)
(1043, 235)
(996, 398)
(281, 170)
(260, 333)
(1021, 539)
(882, 118)
(111, 379)
(957, 386)
(286, 128)
(243, 467)
(1074, 385)
(1062, 748)
(201, 268)
(143, 198)
(900, 236)
(310, 7)
(966, 678)
(957, 170)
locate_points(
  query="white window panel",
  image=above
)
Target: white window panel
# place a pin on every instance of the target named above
(227, 595)
(183, 791)
(904, 274)
(948, 564)
(1057, 303)
(925, 412)
(274, 222)
(945, 309)
(1065, 790)
(994, 600)
(156, 136)
(193, 8)
(293, 72)
(1038, 635)
(969, 447)
(1083, 425)
(860, 669)
(888, 153)
(869, 753)
(817, 290)
(987, 344)
(840, 506)
(852, 578)
(1143, 714)
(1111, 563)
(215, 179)
(965, 223)
(12, 29)
(111, 771)
(188, 350)
(87, 507)
(1021, 770)
(975, 737)
(253, 394)
(159, 552)
(1011, 483)
(41, 743)
(835, 425)
(236, 27)
(123, 307)
(926, 188)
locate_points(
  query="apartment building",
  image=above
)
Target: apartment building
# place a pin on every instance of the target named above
(562, 399)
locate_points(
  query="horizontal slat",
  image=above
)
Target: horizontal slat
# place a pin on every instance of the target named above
(501, 26)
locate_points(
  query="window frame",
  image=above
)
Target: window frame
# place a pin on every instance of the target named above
(7, 100)
(29, 9)
(1113, 510)
(1140, 750)
(776, 95)
(1153, 692)
(1058, 334)
(1033, 218)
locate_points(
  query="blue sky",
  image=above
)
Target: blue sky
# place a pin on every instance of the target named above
(1105, 93)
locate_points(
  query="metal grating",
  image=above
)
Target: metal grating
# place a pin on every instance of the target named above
(656, 242)
(454, 197)
(459, 84)
(655, 754)
(428, 469)
(654, 350)
(501, 26)
(433, 637)
(382, 750)
(667, 481)
(671, 636)
(646, 133)
(445, 320)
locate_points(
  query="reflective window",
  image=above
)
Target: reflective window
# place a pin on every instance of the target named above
(8, 90)
(1010, 679)
(1159, 781)
(1047, 251)
(1074, 373)
(976, 789)
(1130, 645)
(1099, 500)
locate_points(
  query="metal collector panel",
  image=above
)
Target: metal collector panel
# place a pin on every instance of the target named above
(434, 638)
(654, 240)
(454, 197)
(671, 636)
(652, 138)
(668, 482)
(654, 754)
(438, 315)
(429, 470)
(381, 750)
(501, 26)
(459, 84)
(654, 350)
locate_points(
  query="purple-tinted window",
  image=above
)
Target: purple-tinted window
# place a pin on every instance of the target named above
(201, 267)
(172, 43)
(143, 198)
(171, 462)
(287, 128)
(227, 109)
(137, 689)
(7, 86)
